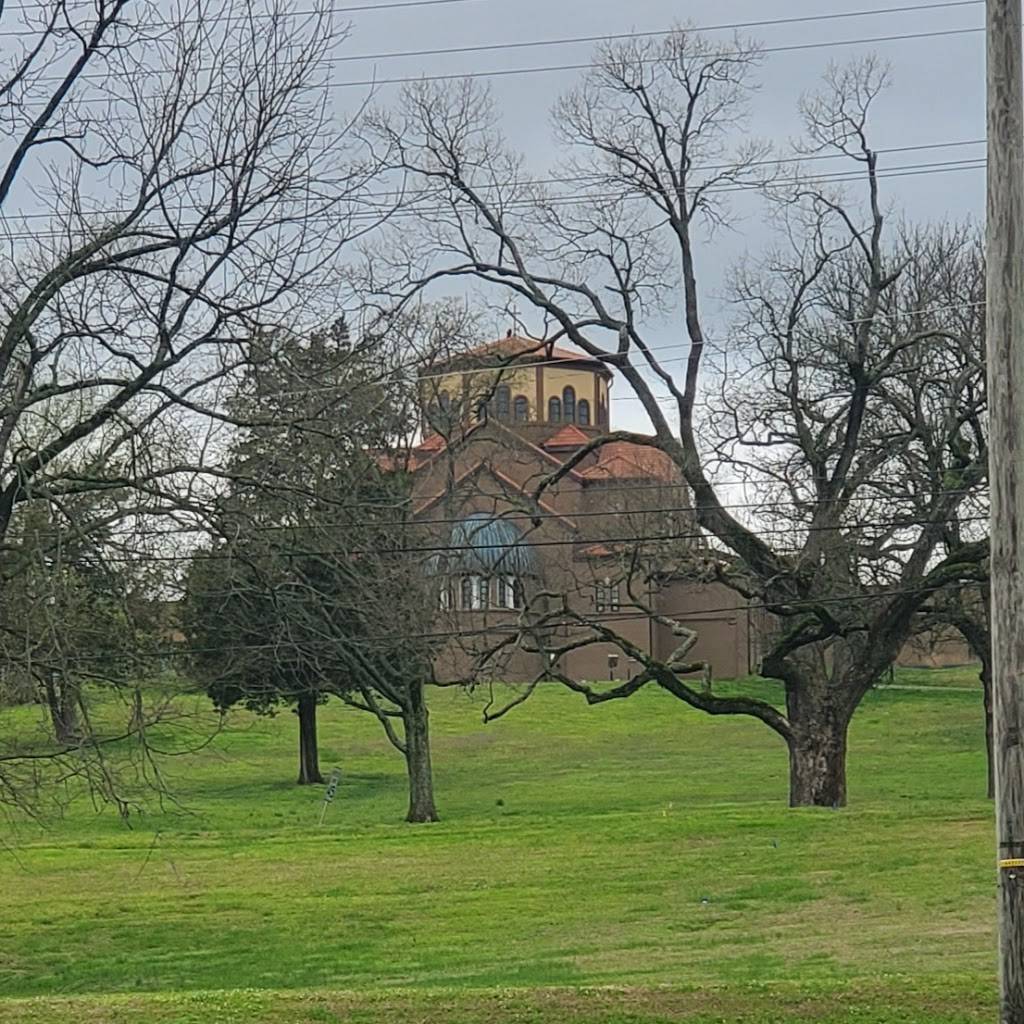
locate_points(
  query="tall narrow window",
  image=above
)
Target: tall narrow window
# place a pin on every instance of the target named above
(606, 597)
(569, 405)
(442, 409)
(583, 413)
(554, 410)
(521, 409)
(466, 593)
(509, 593)
(502, 402)
(481, 411)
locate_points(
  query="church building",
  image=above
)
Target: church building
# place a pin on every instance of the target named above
(612, 537)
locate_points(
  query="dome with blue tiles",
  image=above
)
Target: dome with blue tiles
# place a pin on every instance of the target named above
(486, 544)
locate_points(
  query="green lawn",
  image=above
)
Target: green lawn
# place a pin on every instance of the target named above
(625, 864)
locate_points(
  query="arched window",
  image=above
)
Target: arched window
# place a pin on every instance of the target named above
(521, 409)
(583, 413)
(440, 412)
(502, 401)
(507, 592)
(510, 593)
(475, 593)
(554, 410)
(569, 405)
(481, 411)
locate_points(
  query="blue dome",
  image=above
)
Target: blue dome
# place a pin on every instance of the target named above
(483, 544)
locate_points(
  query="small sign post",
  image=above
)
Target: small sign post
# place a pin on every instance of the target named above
(332, 788)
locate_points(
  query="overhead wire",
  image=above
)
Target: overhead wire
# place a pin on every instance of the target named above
(516, 515)
(623, 36)
(576, 542)
(180, 232)
(506, 44)
(378, 5)
(375, 82)
(549, 68)
(609, 360)
(512, 366)
(498, 629)
(596, 177)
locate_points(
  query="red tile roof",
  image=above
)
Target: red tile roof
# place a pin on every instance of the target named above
(516, 345)
(570, 436)
(434, 443)
(508, 349)
(623, 460)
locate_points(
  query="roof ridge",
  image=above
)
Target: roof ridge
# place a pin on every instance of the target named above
(568, 435)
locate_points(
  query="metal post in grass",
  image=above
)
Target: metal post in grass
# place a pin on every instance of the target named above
(1004, 330)
(332, 788)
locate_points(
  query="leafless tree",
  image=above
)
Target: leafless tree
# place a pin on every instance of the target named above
(318, 582)
(656, 142)
(173, 182)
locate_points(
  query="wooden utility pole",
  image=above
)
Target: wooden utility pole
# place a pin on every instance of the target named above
(1004, 326)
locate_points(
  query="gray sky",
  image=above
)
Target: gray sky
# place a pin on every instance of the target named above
(937, 95)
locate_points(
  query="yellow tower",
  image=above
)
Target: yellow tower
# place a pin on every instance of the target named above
(525, 383)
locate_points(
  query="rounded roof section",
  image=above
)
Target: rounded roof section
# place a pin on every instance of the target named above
(487, 544)
(514, 350)
(624, 460)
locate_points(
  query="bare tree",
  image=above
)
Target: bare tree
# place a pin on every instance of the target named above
(318, 583)
(657, 142)
(173, 181)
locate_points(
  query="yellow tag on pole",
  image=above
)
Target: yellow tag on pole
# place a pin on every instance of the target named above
(1012, 862)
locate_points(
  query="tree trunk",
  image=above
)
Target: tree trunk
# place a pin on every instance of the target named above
(986, 695)
(817, 761)
(417, 757)
(61, 699)
(309, 757)
(975, 627)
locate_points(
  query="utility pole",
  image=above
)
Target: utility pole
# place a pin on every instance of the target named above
(1004, 327)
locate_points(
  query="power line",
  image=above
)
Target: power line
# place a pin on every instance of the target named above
(155, 231)
(799, 606)
(434, 549)
(517, 515)
(621, 36)
(547, 68)
(637, 195)
(383, 5)
(603, 37)
(395, 194)
(514, 365)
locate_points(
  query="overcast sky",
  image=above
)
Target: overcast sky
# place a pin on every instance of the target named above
(937, 95)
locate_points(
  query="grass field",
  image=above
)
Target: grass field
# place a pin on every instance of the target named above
(625, 864)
